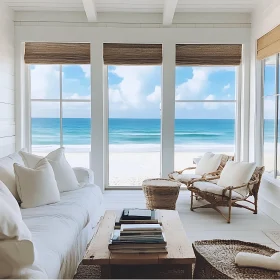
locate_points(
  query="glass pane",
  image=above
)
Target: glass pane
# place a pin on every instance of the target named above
(278, 143)
(269, 114)
(76, 82)
(134, 124)
(202, 127)
(45, 81)
(205, 83)
(45, 127)
(76, 127)
(269, 131)
(270, 76)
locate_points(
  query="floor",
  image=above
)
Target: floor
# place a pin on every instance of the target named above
(204, 224)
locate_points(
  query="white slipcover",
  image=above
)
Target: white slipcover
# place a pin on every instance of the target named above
(215, 189)
(61, 232)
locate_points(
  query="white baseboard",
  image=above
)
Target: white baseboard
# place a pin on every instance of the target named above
(269, 209)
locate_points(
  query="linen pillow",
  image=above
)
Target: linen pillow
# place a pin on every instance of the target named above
(16, 248)
(9, 198)
(36, 187)
(208, 163)
(236, 174)
(7, 175)
(64, 174)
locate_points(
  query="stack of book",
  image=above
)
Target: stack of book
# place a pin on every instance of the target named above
(136, 216)
(138, 238)
(137, 231)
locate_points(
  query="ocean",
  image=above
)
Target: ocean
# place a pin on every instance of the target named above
(145, 132)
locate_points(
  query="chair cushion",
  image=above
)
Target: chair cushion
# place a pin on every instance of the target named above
(215, 189)
(187, 177)
(208, 163)
(236, 174)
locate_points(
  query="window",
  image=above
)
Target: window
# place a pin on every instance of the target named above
(205, 112)
(61, 110)
(271, 115)
(134, 133)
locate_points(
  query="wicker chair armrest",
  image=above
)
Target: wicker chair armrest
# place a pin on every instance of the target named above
(188, 168)
(215, 173)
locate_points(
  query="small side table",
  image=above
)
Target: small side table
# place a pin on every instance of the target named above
(161, 193)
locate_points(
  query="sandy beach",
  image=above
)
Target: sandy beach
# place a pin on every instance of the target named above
(130, 168)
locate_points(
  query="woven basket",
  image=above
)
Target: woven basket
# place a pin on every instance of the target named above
(215, 259)
(161, 193)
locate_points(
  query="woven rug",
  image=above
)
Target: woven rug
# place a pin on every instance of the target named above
(129, 272)
(88, 272)
(274, 235)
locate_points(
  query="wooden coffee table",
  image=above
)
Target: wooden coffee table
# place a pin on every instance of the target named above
(180, 254)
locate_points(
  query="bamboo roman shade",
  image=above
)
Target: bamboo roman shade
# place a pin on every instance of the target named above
(57, 53)
(199, 55)
(269, 44)
(132, 54)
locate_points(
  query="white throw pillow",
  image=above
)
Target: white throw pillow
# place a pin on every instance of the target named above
(236, 174)
(7, 175)
(36, 187)
(208, 163)
(9, 198)
(16, 247)
(64, 174)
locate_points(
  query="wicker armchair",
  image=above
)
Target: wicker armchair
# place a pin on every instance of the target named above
(187, 181)
(228, 196)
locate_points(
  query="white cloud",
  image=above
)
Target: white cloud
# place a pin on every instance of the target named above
(155, 97)
(86, 70)
(77, 96)
(45, 81)
(226, 87)
(269, 108)
(211, 105)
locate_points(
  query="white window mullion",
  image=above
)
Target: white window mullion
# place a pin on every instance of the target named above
(60, 103)
(276, 115)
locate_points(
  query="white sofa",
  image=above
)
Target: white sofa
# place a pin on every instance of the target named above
(61, 231)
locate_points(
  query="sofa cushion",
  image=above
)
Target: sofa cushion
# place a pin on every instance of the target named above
(16, 247)
(208, 163)
(236, 174)
(36, 187)
(56, 227)
(7, 174)
(215, 189)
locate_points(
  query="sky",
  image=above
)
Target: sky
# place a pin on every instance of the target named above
(134, 91)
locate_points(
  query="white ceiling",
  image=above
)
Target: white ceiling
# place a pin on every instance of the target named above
(167, 7)
(139, 6)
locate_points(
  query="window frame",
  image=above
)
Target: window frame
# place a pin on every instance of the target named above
(276, 113)
(59, 100)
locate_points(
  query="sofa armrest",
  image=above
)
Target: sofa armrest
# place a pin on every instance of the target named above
(84, 176)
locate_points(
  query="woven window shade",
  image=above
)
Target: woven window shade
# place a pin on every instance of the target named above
(132, 54)
(199, 55)
(57, 53)
(269, 44)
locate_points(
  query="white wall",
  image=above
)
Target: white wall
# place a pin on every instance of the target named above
(265, 18)
(7, 79)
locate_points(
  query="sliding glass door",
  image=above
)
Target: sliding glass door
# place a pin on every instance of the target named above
(134, 94)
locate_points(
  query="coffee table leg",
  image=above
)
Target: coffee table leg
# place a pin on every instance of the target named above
(106, 272)
(188, 271)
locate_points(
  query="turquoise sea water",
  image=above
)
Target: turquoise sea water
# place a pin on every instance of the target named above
(46, 131)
